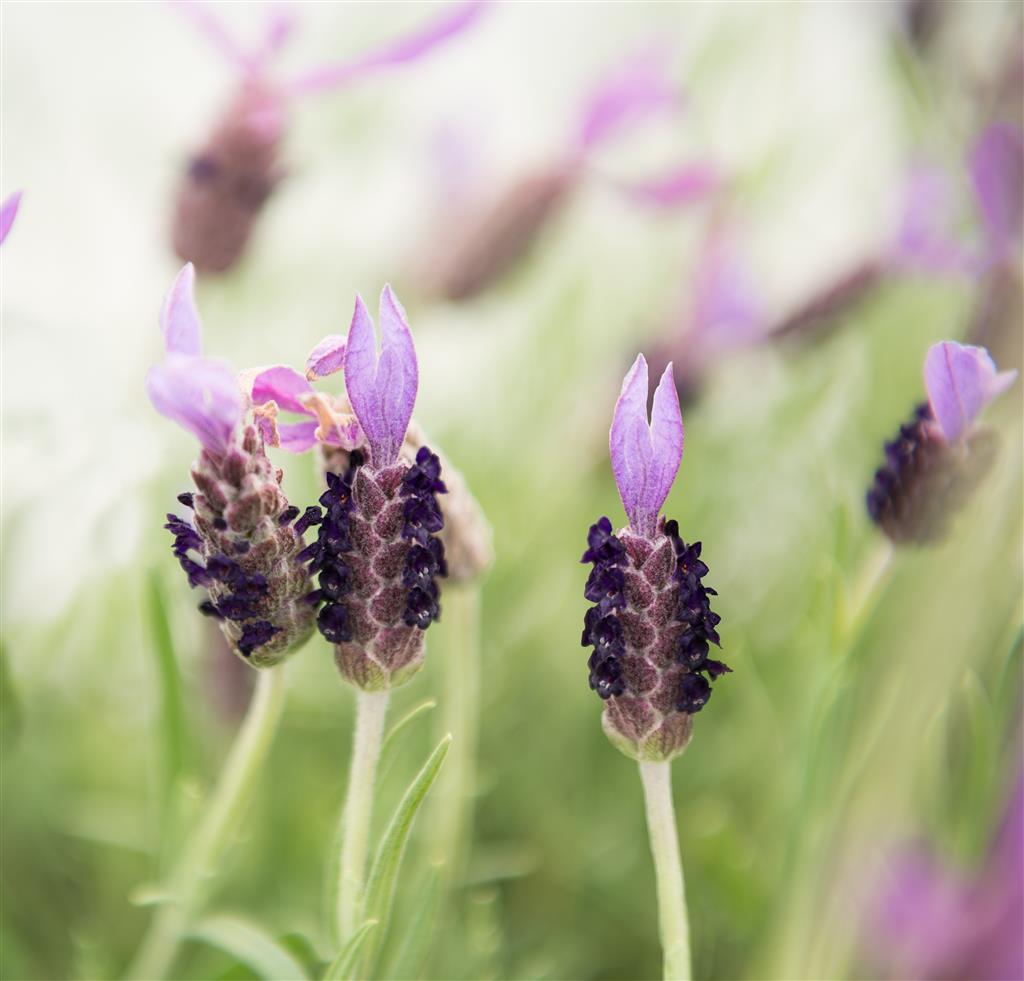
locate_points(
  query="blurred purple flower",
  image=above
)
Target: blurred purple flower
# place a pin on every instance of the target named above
(939, 456)
(230, 178)
(198, 393)
(934, 923)
(8, 212)
(997, 172)
(645, 454)
(960, 381)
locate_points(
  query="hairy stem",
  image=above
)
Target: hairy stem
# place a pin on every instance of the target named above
(202, 850)
(371, 707)
(673, 923)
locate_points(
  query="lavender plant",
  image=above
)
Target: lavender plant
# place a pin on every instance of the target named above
(651, 628)
(231, 176)
(8, 212)
(239, 541)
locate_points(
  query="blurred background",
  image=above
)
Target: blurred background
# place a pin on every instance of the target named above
(839, 742)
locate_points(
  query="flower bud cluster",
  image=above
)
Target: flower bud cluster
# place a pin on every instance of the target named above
(242, 547)
(378, 558)
(650, 628)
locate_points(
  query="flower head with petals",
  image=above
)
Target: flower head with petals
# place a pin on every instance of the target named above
(961, 380)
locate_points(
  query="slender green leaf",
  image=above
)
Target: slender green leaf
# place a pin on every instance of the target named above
(418, 931)
(251, 945)
(172, 709)
(391, 740)
(342, 965)
(380, 888)
(10, 705)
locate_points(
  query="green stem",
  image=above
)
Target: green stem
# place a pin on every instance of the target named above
(371, 708)
(220, 817)
(668, 869)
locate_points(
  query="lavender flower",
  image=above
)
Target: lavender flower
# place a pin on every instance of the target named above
(231, 176)
(652, 625)
(8, 212)
(933, 922)
(377, 556)
(498, 231)
(332, 426)
(239, 542)
(939, 456)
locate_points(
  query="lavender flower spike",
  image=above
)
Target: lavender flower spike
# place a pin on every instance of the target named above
(651, 625)
(239, 542)
(382, 389)
(8, 212)
(940, 455)
(645, 455)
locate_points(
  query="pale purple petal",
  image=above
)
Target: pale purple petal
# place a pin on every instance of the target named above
(997, 171)
(179, 318)
(691, 182)
(961, 380)
(926, 239)
(283, 385)
(397, 371)
(630, 94)
(451, 23)
(200, 395)
(645, 457)
(297, 437)
(727, 310)
(217, 33)
(382, 392)
(326, 358)
(280, 25)
(8, 212)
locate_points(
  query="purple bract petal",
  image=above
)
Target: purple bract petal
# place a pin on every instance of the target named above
(961, 380)
(199, 394)
(997, 171)
(689, 183)
(326, 358)
(382, 391)
(217, 33)
(399, 52)
(179, 318)
(8, 212)
(297, 437)
(645, 456)
(629, 94)
(727, 310)
(282, 385)
(926, 240)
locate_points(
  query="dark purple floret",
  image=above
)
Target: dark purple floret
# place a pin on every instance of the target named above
(220, 524)
(605, 586)
(694, 692)
(186, 499)
(421, 607)
(424, 476)
(288, 515)
(603, 546)
(335, 581)
(606, 676)
(311, 516)
(255, 634)
(333, 623)
(423, 518)
(208, 609)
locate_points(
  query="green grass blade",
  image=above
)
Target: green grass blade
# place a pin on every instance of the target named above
(172, 707)
(411, 956)
(250, 945)
(343, 964)
(380, 887)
